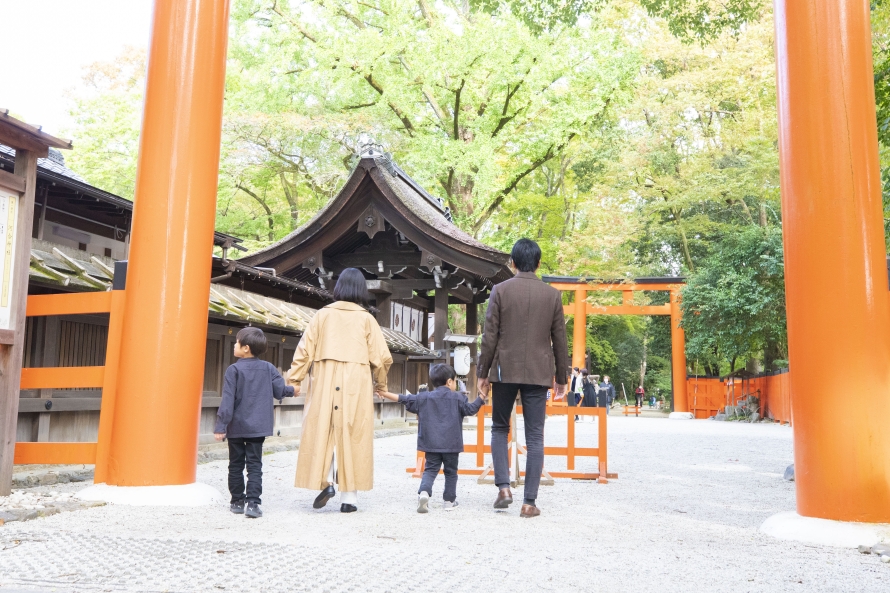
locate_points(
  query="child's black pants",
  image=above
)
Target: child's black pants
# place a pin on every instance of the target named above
(433, 462)
(246, 452)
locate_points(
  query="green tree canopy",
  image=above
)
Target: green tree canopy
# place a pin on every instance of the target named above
(734, 306)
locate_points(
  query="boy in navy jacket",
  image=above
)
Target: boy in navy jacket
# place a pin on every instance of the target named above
(440, 413)
(245, 417)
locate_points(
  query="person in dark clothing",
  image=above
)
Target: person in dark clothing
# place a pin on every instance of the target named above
(592, 393)
(245, 418)
(609, 389)
(590, 390)
(440, 432)
(524, 351)
(638, 396)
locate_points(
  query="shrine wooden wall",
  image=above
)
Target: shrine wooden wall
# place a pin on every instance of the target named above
(81, 341)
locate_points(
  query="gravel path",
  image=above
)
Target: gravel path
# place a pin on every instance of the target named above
(682, 516)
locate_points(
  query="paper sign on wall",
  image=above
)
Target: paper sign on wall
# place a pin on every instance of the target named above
(8, 205)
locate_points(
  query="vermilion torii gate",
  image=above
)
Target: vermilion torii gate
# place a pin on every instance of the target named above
(838, 324)
(580, 309)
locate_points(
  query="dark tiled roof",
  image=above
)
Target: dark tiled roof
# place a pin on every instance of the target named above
(55, 163)
(55, 265)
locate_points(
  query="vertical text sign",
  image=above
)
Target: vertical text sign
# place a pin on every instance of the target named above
(8, 205)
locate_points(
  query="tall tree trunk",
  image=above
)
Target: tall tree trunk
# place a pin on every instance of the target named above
(292, 198)
(265, 206)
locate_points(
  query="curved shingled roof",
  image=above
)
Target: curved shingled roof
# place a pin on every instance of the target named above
(378, 183)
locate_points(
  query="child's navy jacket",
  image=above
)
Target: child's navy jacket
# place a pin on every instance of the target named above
(440, 416)
(246, 408)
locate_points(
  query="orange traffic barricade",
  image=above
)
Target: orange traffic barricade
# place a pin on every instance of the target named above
(570, 451)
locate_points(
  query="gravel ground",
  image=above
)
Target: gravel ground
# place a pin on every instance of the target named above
(682, 516)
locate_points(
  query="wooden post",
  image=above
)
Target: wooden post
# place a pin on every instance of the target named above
(832, 221)
(14, 295)
(441, 320)
(168, 276)
(472, 329)
(110, 377)
(384, 309)
(603, 455)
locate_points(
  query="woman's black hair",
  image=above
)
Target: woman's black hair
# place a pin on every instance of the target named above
(584, 376)
(526, 255)
(351, 286)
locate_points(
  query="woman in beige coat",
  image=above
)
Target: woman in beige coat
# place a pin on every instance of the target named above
(345, 349)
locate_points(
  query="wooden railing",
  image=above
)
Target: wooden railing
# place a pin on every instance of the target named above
(104, 377)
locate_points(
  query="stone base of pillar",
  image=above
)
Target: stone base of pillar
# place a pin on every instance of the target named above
(681, 416)
(184, 495)
(824, 532)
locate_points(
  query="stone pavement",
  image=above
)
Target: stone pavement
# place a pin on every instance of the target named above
(683, 516)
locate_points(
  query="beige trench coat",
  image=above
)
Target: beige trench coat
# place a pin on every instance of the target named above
(350, 360)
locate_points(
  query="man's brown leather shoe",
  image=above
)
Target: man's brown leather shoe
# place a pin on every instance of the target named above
(529, 510)
(504, 499)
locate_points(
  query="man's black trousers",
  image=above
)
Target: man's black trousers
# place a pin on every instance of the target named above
(246, 452)
(534, 413)
(433, 462)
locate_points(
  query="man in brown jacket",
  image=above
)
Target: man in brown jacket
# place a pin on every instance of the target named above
(524, 349)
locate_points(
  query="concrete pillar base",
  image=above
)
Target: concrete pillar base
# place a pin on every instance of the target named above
(681, 416)
(825, 532)
(184, 495)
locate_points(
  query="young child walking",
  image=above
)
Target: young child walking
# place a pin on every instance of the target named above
(440, 434)
(245, 418)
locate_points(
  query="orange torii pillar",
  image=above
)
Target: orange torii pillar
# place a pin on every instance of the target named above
(835, 269)
(154, 438)
(678, 355)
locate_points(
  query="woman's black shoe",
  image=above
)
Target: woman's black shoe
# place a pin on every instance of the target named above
(323, 497)
(348, 508)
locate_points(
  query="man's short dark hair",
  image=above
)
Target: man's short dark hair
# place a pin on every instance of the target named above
(526, 255)
(440, 373)
(253, 338)
(351, 286)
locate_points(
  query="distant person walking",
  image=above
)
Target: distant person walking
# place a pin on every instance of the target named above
(349, 359)
(524, 349)
(609, 389)
(591, 390)
(638, 396)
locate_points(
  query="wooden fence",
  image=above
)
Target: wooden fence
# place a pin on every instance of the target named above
(709, 395)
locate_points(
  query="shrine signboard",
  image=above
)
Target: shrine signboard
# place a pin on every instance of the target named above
(8, 214)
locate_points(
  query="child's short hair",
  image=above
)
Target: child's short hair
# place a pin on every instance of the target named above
(253, 338)
(440, 373)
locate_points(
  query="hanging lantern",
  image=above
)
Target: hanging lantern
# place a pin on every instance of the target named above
(462, 360)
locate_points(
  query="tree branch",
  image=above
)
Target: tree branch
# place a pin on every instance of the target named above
(265, 207)
(457, 108)
(496, 203)
(355, 68)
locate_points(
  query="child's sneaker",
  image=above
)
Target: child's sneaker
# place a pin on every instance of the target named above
(449, 506)
(423, 502)
(237, 507)
(253, 511)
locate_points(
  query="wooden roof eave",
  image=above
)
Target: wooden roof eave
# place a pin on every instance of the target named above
(20, 135)
(310, 233)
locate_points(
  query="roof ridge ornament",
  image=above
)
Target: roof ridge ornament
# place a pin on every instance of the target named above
(376, 151)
